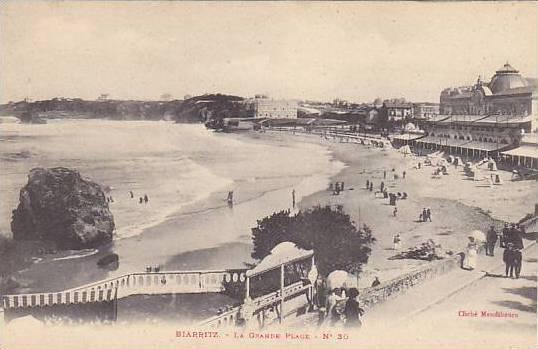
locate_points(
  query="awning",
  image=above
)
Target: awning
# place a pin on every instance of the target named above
(525, 150)
(443, 141)
(284, 252)
(484, 146)
(407, 137)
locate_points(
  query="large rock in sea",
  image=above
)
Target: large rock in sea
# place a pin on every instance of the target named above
(59, 205)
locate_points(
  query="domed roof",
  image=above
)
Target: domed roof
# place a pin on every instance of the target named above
(505, 78)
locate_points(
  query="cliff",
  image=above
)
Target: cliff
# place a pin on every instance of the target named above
(212, 107)
(58, 205)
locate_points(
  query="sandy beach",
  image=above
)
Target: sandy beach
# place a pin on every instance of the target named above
(453, 199)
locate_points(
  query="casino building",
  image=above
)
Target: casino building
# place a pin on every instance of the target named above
(487, 119)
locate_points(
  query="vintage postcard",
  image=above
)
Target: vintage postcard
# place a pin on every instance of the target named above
(205, 174)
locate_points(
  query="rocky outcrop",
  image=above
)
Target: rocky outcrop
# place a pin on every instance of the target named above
(58, 205)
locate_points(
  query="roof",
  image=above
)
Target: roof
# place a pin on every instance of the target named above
(407, 137)
(463, 143)
(517, 91)
(459, 118)
(526, 150)
(397, 105)
(284, 252)
(505, 119)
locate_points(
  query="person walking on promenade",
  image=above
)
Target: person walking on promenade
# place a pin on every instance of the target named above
(332, 301)
(491, 240)
(352, 311)
(517, 261)
(505, 237)
(509, 259)
(472, 253)
(429, 214)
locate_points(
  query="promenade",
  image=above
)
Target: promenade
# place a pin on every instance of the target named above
(431, 314)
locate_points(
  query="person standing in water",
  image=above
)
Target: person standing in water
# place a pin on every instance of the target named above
(230, 198)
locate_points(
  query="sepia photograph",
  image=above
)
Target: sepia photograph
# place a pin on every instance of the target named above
(268, 174)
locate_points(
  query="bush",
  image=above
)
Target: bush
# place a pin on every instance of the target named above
(336, 241)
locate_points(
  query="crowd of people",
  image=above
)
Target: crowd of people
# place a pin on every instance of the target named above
(511, 239)
(341, 308)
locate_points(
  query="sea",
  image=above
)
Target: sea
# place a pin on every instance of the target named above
(185, 170)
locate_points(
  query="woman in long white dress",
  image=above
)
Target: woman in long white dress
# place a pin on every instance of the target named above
(472, 253)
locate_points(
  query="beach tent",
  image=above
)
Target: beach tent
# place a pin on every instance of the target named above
(405, 149)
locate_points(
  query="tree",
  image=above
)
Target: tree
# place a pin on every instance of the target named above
(336, 241)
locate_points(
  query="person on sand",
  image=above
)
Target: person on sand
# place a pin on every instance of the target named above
(371, 186)
(131, 193)
(517, 261)
(140, 200)
(382, 186)
(397, 241)
(491, 240)
(395, 211)
(403, 174)
(472, 253)
(424, 215)
(342, 186)
(376, 282)
(429, 214)
(384, 174)
(367, 184)
(352, 311)
(146, 199)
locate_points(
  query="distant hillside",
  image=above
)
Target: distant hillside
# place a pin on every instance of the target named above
(196, 109)
(63, 108)
(212, 107)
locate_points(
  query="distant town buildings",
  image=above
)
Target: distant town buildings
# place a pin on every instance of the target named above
(265, 107)
(487, 119)
(424, 111)
(397, 110)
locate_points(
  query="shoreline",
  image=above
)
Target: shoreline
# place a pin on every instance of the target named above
(194, 235)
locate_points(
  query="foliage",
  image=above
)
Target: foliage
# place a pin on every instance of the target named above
(336, 241)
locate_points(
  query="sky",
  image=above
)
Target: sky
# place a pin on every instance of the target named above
(306, 50)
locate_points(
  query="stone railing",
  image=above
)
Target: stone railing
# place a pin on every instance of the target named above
(230, 317)
(194, 281)
(373, 295)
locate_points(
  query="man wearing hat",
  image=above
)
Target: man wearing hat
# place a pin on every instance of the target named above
(509, 259)
(505, 235)
(491, 240)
